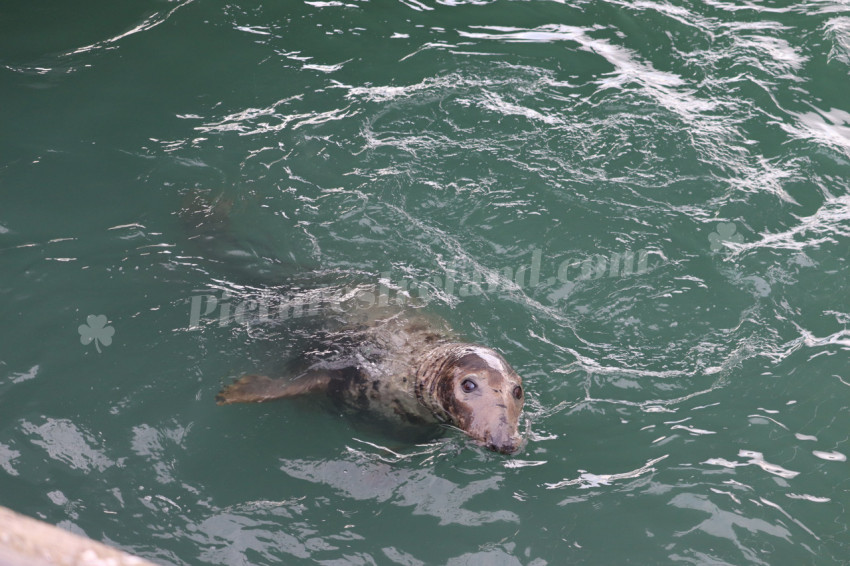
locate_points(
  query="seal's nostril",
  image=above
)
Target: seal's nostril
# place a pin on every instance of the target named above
(504, 446)
(504, 449)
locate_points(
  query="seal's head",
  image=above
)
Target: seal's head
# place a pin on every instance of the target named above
(475, 389)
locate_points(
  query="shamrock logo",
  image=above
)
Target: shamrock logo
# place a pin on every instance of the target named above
(97, 331)
(725, 233)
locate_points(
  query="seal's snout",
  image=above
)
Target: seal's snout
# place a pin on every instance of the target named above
(505, 448)
(495, 428)
(505, 443)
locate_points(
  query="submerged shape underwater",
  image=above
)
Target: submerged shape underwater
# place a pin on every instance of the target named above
(643, 206)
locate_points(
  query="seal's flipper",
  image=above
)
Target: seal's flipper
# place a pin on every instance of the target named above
(259, 388)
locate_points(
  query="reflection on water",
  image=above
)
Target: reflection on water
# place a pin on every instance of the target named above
(419, 489)
(63, 441)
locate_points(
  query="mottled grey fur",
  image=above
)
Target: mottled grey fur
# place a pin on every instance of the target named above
(406, 367)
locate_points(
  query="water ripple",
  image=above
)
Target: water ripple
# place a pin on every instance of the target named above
(147, 24)
(588, 480)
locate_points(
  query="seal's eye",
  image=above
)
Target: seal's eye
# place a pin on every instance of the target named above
(517, 392)
(468, 385)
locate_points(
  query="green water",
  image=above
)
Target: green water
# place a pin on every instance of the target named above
(681, 170)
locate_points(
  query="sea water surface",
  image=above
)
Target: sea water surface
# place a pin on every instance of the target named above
(645, 205)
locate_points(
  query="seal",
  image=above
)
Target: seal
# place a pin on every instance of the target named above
(395, 363)
(406, 368)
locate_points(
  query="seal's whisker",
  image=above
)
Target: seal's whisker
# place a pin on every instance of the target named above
(453, 427)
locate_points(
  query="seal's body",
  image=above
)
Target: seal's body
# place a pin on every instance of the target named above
(409, 368)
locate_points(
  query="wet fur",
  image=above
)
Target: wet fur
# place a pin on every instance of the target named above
(405, 368)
